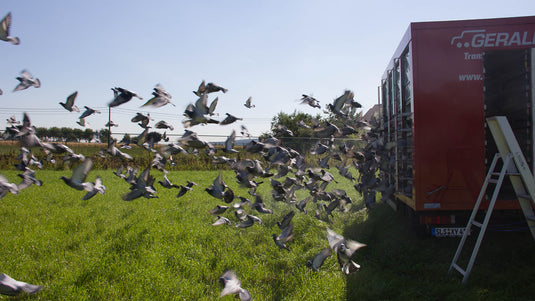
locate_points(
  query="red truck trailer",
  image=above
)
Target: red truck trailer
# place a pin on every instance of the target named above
(444, 79)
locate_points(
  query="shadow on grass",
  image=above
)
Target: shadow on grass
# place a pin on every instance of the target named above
(397, 264)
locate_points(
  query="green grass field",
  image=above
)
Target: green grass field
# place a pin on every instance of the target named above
(166, 248)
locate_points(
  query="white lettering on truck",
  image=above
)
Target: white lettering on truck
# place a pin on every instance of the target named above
(481, 38)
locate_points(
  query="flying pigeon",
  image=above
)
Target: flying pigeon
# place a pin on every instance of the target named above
(344, 249)
(184, 189)
(88, 111)
(229, 119)
(160, 98)
(286, 220)
(93, 188)
(142, 119)
(143, 186)
(69, 103)
(311, 101)
(163, 125)
(26, 80)
(6, 187)
(318, 259)
(218, 210)
(229, 143)
(121, 96)
(248, 103)
(232, 286)
(27, 133)
(28, 178)
(111, 123)
(211, 87)
(248, 221)
(5, 25)
(221, 220)
(285, 236)
(12, 287)
(79, 174)
(82, 122)
(259, 206)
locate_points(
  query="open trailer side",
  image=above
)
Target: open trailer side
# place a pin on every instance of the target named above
(444, 79)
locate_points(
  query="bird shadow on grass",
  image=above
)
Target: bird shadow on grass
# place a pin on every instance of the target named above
(400, 264)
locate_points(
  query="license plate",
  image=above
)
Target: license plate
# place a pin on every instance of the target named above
(448, 232)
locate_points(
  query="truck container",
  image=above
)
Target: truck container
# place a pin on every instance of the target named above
(444, 79)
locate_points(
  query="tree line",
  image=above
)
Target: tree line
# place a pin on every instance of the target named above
(66, 134)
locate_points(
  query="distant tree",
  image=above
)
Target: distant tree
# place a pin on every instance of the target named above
(126, 139)
(67, 134)
(54, 133)
(103, 135)
(286, 128)
(42, 133)
(78, 134)
(88, 135)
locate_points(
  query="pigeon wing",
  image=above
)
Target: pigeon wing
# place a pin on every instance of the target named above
(231, 283)
(80, 172)
(334, 239)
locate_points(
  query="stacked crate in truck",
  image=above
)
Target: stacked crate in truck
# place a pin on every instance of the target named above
(444, 79)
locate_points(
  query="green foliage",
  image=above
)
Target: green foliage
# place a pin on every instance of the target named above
(166, 248)
(155, 249)
(302, 138)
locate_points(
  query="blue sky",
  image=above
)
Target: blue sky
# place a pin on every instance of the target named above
(272, 51)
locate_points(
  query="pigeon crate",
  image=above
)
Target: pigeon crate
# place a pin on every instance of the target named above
(444, 79)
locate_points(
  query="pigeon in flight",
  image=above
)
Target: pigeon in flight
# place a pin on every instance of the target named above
(26, 80)
(184, 189)
(143, 186)
(82, 122)
(311, 101)
(344, 249)
(6, 187)
(28, 178)
(160, 98)
(142, 119)
(122, 96)
(79, 174)
(318, 259)
(286, 220)
(162, 124)
(221, 220)
(111, 123)
(229, 143)
(12, 287)
(285, 236)
(248, 103)
(69, 103)
(211, 87)
(232, 286)
(5, 25)
(27, 133)
(88, 111)
(229, 119)
(1, 92)
(93, 188)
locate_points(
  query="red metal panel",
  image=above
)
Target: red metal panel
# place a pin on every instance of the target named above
(449, 121)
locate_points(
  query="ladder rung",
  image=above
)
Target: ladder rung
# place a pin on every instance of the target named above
(458, 268)
(508, 173)
(478, 224)
(531, 217)
(493, 181)
(525, 196)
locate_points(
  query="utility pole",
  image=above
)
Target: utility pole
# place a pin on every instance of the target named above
(109, 126)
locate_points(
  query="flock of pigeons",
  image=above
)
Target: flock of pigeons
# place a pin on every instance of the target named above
(278, 162)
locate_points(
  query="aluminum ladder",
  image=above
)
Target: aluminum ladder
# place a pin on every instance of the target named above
(514, 166)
